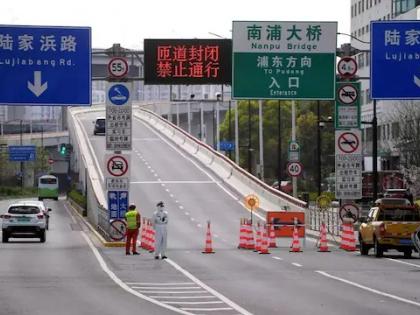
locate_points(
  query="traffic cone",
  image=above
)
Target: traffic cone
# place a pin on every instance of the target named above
(208, 249)
(250, 243)
(152, 239)
(323, 243)
(143, 234)
(264, 241)
(242, 235)
(295, 248)
(258, 241)
(272, 234)
(352, 239)
(348, 241)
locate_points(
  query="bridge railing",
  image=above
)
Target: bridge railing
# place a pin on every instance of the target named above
(230, 173)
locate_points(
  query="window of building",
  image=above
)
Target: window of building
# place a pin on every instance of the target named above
(368, 99)
(395, 130)
(367, 58)
(370, 3)
(363, 5)
(359, 7)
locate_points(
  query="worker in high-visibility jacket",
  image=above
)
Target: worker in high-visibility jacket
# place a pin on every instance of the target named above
(160, 221)
(132, 218)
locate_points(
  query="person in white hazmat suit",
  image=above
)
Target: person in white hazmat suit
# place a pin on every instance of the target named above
(160, 222)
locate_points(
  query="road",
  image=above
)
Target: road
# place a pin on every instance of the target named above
(231, 281)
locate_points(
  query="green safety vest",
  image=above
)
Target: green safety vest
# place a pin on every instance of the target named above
(131, 218)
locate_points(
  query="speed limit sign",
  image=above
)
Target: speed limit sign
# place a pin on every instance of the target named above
(294, 169)
(118, 67)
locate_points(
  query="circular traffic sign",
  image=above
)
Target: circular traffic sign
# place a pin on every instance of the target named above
(118, 230)
(118, 67)
(50, 161)
(323, 202)
(252, 202)
(350, 212)
(117, 165)
(294, 169)
(347, 67)
(347, 94)
(118, 94)
(348, 142)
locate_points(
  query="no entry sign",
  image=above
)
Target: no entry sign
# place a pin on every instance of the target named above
(348, 142)
(117, 164)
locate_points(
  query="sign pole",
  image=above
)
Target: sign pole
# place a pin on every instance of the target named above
(375, 152)
(294, 178)
(260, 114)
(236, 133)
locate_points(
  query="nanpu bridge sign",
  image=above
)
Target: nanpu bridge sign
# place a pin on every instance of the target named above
(284, 60)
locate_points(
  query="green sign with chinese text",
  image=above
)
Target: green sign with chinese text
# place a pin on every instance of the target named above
(284, 60)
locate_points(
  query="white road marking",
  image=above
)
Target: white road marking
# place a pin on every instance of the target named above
(403, 262)
(176, 201)
(174, 182)
(167, 190)
(171, 195)
(277, 258)
(206, 309)
(160, 283)
(391, 296)
(124, 286)
(164, 288)
(199, 225)
(184, 297)
(193, 303)
(172, 292)
(232, 304)
(296, 264)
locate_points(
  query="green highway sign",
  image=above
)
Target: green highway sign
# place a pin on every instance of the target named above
(284, 60)
(347, 105)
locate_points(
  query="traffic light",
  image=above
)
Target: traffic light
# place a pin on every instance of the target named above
(63, 149)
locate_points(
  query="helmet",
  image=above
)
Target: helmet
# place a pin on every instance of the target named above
(132, 206)
(160, 204)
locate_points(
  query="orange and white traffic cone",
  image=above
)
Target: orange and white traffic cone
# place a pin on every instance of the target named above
(348, 241)
(152, 239)
(208, 249)
(323, 243)
(352, 239)
(264, 241)
(272, 234)
(250, 243)
(295, 248)
(258, 241)
(242, 235)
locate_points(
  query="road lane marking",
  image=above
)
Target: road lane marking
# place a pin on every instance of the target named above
(391, 296)
(193, 303)
(206, 309)
(277, 258)
(209, 289)
(174, 182)
(163, 288)
(403, 262)
(124, 286)
(171, 292)
(184, 297)
(160, 283)
(296, 264)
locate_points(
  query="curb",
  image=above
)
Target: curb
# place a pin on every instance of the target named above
(94, 231)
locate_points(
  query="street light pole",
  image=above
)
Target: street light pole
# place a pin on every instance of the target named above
(375, 152)
(249, 139)
(279, 165)
(21, 163)
(318, 151)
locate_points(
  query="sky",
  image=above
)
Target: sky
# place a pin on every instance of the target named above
(128, 22)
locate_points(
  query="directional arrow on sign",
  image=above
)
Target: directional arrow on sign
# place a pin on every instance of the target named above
(416, 81)
(37, 88)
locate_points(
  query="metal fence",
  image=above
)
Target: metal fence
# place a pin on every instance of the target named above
(329, 216)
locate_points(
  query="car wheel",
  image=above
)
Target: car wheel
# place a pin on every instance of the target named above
(42, 236)
(379, 251)
(55, 198)
(364, 249)
(5, 237)
(407, 253)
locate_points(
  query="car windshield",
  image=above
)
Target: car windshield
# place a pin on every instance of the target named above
(397, 214)
(100, 122)
(24, 210)
(48, 181)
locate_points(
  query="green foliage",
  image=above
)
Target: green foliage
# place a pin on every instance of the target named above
(306, 136)
(78, 198)
(7, 192)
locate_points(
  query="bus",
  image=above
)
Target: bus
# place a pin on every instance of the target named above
(48, 187)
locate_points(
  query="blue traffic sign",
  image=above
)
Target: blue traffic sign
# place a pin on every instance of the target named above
(227, 145)
(21, 153)
(118, 94)
(117, 204)
(395, 56)
(44, 65)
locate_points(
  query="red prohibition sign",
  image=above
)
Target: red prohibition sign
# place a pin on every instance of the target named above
(118, 67)
(347, 94)
(348, 142)
(117, 165)
(118, 230)
(347, 67)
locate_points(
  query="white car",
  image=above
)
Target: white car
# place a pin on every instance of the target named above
(25, 219)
